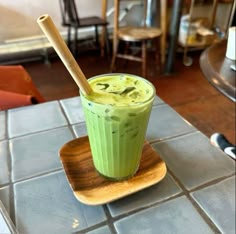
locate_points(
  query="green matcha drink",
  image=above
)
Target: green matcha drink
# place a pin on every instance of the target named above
(117, 114)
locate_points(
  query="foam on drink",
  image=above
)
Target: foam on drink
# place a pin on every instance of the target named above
(120, 90)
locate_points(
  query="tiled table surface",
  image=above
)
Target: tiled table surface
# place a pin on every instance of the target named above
(196, 196)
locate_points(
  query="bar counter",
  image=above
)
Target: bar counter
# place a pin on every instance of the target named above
(197, 194)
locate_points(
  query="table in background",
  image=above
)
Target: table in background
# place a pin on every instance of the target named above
(216, 68)
(196, 196)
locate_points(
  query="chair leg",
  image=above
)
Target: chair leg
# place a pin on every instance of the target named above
(96, 36)
(69, 37)
(74, 50)
(126, 52)
(144, 59)
(113, 61)
(107, 43)
(100, 44)
(158, 54)
(102, 41)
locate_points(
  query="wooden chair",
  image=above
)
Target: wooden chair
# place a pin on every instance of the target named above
(71, 20)
(141, 34)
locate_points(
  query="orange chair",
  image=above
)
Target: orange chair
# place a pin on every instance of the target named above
(17, 88)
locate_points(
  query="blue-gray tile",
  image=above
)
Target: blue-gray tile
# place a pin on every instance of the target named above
(35, 118)
(4, 228)
(46, 204)
(6, 225)
(218, 201)
(3, 124)
(4, 197)
(163, 116)
(80, 130)
(101, 230)
(73, 109)
(163, 190)
(175, 216)
(194, 160)
(157, 101)
(4, 168)
(45, 144)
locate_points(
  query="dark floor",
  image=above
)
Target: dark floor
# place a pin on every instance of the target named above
(186, 90)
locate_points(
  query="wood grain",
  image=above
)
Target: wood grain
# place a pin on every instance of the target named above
(91, 188)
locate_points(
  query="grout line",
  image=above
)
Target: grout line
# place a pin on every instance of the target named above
(92, 228)
(110, 219)
(6, 124)
(67, 119)
(38, 132)
(200, 211)
(184, 192)
(213, 182)
(172, 137)
(9, 163)
(52, 171)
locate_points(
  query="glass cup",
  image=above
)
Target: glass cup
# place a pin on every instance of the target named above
(117, 133)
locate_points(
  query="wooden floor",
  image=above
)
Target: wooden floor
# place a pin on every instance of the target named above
(186, 89)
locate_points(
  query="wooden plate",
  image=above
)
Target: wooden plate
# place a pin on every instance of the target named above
(91, 188)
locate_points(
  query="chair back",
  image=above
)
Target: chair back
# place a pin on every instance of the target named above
(118, 14)
(141, 33)
(69, 12)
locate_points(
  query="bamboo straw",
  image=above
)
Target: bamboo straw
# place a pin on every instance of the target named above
(53, 35)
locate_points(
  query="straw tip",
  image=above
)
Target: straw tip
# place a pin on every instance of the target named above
(43, 17)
